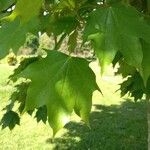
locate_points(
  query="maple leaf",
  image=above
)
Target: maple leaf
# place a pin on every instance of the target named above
(24, 11)
(61, 83)
(10, 119)
(114, 28)
(13, 35)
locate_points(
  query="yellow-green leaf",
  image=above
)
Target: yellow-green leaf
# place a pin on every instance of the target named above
(63, 84)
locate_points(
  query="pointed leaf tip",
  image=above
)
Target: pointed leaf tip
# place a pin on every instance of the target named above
(66, 83)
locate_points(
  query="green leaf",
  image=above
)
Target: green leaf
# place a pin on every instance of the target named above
(10, 119)
(118, 28)
(145, 70)
(18, 96)
(41, 114)
(4, 4)
(103, 50)
(131, 49)
(72, 42)
(131, 22)
(102, 30)
(61, 83)
(25, 62)
(117, 58)
(134, 86)
(26, 9)
(3, 15)
(62, 24)
(19, 23)
(125, 70)
(13, 35)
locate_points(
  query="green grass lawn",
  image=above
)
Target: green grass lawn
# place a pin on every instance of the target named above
(116, 123)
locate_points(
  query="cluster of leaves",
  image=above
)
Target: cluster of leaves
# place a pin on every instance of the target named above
(58, 84)
(133, 84)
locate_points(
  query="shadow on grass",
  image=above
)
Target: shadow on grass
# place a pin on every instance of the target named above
(115, 127)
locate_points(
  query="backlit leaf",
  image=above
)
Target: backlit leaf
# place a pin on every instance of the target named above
(26, 9)
(61, 83)
(13, 35)
(120, 27)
